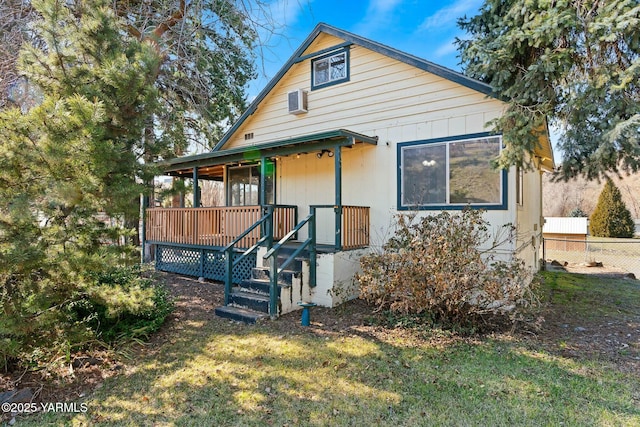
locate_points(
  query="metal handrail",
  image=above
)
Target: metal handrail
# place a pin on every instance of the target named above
(228, 250)
(272, 253)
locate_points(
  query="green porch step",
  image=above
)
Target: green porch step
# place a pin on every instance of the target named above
(249, 301)
(240, 314)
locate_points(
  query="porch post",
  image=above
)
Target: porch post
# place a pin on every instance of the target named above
(196, 188)
(263, 180)
(262, 200)
(338, 187)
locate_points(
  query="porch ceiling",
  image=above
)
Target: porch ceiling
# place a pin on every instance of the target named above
(211, 165)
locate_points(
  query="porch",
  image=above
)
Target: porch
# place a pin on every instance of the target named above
(192, 241)
(276, 253)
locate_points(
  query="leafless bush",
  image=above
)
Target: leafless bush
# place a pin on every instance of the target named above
(435, 266)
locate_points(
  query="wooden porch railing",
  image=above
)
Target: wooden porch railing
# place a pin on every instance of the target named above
(352, 226)
(355, 227)
(219, 226)
(215, 226)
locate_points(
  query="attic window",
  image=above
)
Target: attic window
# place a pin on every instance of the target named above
(330, 69)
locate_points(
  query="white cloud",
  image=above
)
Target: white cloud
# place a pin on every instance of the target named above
(379, 13)
(446, 49)
(448, 15)
(382, 6)
(288, 11)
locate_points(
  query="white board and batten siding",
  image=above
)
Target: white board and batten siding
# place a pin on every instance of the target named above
(385, 98)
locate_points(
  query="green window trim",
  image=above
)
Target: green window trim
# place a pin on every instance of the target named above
(451, 173)
(330, 69)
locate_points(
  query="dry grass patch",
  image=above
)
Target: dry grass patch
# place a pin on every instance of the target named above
(344, 372)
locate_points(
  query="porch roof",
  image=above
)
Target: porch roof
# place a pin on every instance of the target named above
(210, 164)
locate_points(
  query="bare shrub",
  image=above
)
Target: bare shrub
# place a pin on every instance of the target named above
(445, 266)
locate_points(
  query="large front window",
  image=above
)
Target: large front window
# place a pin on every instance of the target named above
(243, 185)
(450, 173)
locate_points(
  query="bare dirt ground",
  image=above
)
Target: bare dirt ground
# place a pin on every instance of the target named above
(615, 340)
(601, 271)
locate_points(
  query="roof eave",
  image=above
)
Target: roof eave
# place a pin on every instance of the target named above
(264, 92)
(310, 142)
(544, 150)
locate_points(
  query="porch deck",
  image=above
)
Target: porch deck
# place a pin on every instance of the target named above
(213, 226)
(190, 241)
(216, 227)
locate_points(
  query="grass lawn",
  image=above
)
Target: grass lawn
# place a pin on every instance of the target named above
(349, 370)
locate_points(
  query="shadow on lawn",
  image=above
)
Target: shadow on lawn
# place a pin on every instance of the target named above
(202, 370)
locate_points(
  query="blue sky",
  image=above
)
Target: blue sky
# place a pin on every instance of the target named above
(423, 28)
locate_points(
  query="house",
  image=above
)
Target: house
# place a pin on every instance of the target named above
(565, 234)
(347, 134)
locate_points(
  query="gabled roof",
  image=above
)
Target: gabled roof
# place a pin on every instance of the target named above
(351, 38)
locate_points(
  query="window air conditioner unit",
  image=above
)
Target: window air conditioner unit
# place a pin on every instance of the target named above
(297, 101)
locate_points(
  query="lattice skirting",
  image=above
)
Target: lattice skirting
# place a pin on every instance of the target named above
(197, 262)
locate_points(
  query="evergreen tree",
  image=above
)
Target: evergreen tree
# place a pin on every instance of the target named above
(574, 62)
(107, 109)
(205, 50)
(611, 218)
(578, 213)
(63, 164)
(86, 54)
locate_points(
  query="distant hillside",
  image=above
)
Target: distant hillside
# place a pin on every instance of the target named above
(560, 198)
